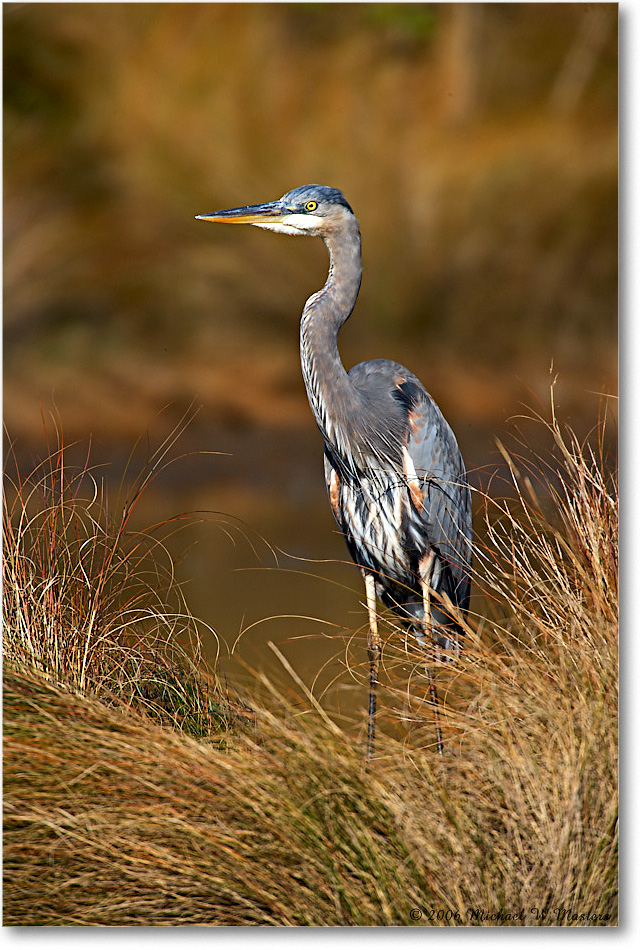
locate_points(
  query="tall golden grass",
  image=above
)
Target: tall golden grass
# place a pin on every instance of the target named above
(93, 604)
(114, 818)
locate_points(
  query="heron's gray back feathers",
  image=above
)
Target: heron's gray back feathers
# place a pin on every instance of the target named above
(406, 493)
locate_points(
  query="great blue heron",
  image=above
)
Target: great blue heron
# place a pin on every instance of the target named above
(394, 472)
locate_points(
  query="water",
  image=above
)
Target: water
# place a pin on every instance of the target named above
(259, 556)
(260, 559)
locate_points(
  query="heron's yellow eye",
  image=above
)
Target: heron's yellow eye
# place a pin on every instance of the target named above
(311, 206)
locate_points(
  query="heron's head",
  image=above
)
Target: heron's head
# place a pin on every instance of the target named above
(311, 209)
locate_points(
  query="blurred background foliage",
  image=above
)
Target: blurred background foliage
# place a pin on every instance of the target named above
(477, 144)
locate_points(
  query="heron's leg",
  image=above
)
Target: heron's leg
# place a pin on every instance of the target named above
(425, 568)
(374, 649)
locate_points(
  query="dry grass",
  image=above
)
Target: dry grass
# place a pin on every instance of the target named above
(112, 818)
(93, 605)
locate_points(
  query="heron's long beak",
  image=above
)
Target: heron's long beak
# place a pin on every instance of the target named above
(271, 213)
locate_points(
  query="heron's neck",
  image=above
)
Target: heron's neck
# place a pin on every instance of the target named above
(332, 396)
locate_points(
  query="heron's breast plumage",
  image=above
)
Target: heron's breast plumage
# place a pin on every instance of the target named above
(380, 519)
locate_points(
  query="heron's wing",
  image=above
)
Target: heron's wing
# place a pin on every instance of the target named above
(399, 431)
(436, 465)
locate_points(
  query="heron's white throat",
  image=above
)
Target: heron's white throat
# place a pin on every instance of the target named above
(292, 224)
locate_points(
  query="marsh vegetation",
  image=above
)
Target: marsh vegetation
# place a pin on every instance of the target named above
(138, 792)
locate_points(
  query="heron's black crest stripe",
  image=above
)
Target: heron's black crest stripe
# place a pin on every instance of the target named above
(318, 193)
